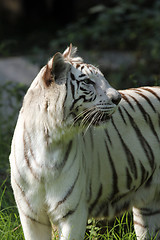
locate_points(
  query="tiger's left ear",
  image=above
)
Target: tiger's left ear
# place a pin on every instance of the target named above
(56, 70)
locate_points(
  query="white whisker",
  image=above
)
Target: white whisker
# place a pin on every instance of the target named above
(88, 116)
(92, 121)
(85, 112)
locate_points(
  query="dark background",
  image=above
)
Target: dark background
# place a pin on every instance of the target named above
(42, 27)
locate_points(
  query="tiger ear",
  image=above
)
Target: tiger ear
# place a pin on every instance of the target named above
(59, 66)
(55, 70)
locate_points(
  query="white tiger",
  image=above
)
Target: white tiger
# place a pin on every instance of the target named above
(71, 159)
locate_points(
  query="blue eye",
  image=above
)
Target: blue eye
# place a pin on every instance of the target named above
(88, 81)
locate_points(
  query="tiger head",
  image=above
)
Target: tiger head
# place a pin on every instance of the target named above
(69, 92)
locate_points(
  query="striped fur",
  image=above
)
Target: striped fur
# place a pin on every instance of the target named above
(79, 153)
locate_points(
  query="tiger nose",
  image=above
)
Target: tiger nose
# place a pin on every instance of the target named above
(115, 97)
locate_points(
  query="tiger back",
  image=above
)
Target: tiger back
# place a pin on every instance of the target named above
(82, 149)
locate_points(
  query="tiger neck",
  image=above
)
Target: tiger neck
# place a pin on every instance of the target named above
(60, 150)
(58, 136)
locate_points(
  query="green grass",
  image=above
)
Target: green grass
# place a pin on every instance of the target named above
(121, 228)
(10, 226)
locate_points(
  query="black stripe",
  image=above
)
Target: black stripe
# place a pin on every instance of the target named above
(72, 76)
(86, 91)
(135, 89)
(107, 134)
(129, 179)
(74, 158)
(140, 225)
(151, 91)
(114, 175)
(24, 196)
(127, 100)
(68, 193)
(46, 105)
(150, 212)
(61, 164)
(72, 90)
(122, 116)
(145, 209)
(145, 145)
(91, 137)
(82, 75)
(149, 181)
(31, 218)
(128, 153)
(76, 100)
(82, 68)
(72, 211)
(118, 198)
(84, 140)
(144, 175)
(96, 200)
(140, 108)
(153, 129)
(146, 117)
(147, 99)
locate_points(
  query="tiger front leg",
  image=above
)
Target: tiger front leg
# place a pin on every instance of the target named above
(35, 230)
(36, 227)
(147, 222)
(35, 221)
(73, 225)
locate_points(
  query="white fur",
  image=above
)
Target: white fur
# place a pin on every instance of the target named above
(47, 188)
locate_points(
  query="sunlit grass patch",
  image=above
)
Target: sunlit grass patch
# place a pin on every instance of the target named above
(10, 227)
(121, 228)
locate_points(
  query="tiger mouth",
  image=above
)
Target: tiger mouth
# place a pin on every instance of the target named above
(102, 116)
(105, 118)
(98, 118)
(93, 117)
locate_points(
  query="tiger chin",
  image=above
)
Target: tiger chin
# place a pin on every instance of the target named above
(82, 149)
